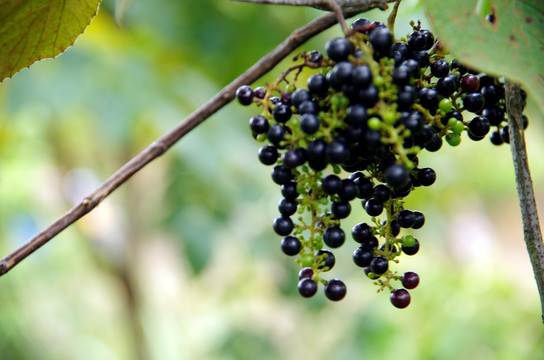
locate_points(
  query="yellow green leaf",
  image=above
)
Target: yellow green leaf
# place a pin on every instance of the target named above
(31, 30)
(501, 37)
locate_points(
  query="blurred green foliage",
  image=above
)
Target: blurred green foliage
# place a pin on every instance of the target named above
(181, 262)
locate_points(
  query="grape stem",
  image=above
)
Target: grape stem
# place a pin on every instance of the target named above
(167, 140)
(529, 215)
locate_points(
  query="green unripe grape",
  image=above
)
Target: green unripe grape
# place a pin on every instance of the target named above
(408, 241)
(459, 127)
(291, 88)
(318, 244)
(378, 81)
(452, 122)
(374, 123)
(344, 101)
(307, 260)
(390, 117)
(445, 105)
(453, 139)
(335, 101)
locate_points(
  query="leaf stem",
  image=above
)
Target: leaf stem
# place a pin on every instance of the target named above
(531, 225)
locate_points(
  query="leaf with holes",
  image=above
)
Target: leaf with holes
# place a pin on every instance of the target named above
(502, 37)
(31, 30)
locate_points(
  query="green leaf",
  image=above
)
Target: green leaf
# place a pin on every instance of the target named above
(31, 30)
(511, 46)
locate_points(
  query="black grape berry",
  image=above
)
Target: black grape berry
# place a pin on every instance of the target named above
(290, 245)
(335, 290)
(379, 265)
(244, 94)
(334, 237)
(339, 49)
(307, 287)
(283, 225)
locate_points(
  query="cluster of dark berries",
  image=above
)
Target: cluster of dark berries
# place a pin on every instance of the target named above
(353, 135)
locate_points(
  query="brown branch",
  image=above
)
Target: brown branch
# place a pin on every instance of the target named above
(531, 225)
(167, 140)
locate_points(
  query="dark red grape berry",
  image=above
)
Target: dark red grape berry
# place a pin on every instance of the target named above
(410, 280)
(306, 272)
(338, 49)
(400, 298)
(307, 287)
(290, 245)
(469, 83)
(379, 265)
(244, 94)
(283, 225)
(335, 290)
(334, 236)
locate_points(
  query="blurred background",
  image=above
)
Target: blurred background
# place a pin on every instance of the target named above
(181, 262)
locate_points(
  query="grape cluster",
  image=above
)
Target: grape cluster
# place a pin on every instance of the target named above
(353, 135)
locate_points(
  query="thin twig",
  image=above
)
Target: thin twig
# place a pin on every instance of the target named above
(531, 225)
(166, 141)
